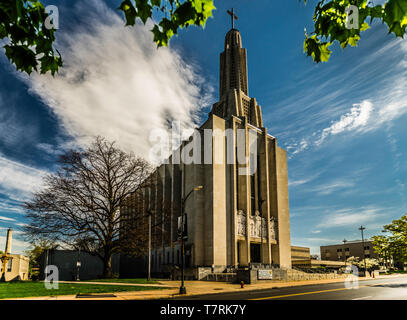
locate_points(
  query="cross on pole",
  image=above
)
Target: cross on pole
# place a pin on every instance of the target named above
(233, 17)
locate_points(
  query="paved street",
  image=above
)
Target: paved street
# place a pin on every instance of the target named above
(380, 289)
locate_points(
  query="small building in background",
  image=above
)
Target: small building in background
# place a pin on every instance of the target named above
(301, 258)
(300, 253)
(16, 264)
(340, 252)
(17, 267)
(90, 267)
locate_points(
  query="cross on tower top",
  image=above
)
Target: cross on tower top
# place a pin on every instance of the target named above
(233, 17)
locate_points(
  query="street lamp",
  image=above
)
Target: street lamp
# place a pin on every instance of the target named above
(78, 265)
(182, 289)
(344, 250)
(363, 243)
(149, 245)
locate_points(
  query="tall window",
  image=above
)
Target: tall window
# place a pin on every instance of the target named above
(10, 265)
(253, 193)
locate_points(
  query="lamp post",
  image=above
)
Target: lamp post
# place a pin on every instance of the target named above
(78, 265)
(344, 250)
(363, 243)
(149, 245)
(182, 289)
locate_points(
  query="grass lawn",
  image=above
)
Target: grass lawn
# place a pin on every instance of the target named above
(23, 289)
(396, 271)
(137, 281)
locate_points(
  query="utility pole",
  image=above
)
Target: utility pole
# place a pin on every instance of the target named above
(363, 243)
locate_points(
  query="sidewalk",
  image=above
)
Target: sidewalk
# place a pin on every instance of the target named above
(118, 283)
(197, 288)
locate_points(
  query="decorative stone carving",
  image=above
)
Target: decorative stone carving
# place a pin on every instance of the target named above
(256, 224)
(241, 223)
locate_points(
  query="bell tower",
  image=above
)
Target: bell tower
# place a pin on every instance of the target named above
(233, 65)
(234, 97)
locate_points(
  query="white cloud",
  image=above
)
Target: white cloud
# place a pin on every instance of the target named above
(356, 119)
(380, 98)
(17, 180)
(299, 147)
(322, 239)
(49, 149)
(351, 217)
(10, 206)
(336, 185)
(117, 84)
(6, 219)
(13, 129)
(17, 246)
(295, 183)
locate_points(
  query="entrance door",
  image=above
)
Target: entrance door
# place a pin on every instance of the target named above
(255, 253)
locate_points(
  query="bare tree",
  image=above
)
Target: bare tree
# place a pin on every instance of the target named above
(79, 205)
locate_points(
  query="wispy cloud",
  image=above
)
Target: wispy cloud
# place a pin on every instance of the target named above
(352, 217)
(17, 180)
(355, 120)
(13, 129)
(294, 183)
(371, 94)
(8, 206)
(117, 84)
(331, 187)
(49, 149)
(17, 246)
(6, 219)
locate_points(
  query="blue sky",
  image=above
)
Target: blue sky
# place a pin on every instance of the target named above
(342, 122)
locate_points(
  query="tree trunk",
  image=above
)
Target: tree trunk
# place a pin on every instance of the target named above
(107, 266)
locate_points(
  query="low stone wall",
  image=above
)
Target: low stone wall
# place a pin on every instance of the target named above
(204, 274)
(294, 275)
(250, 276)
(222, 277)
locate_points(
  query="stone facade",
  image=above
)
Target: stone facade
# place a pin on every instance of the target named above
(241, 216)
(300, 253)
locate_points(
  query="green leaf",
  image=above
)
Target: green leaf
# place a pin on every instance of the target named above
(320, 52)
(129, 11)
(23, 57)
(144, 10)
(353, 41)
(395, 16)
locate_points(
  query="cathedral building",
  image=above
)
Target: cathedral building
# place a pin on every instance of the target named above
(236, 212)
